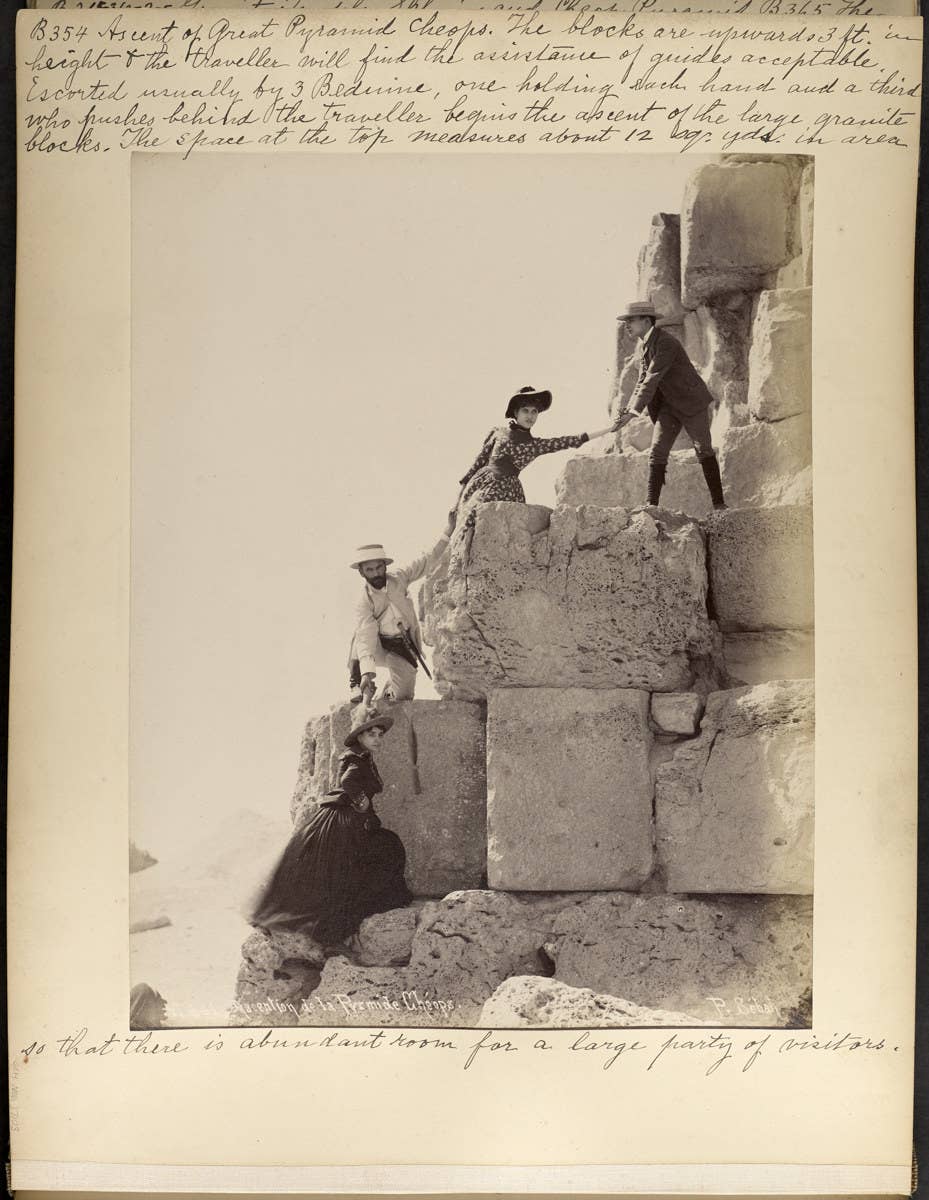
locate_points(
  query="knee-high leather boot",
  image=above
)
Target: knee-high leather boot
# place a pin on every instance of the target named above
(656, 473)
(713, 480)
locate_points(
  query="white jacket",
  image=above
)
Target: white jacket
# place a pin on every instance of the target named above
(388, 606)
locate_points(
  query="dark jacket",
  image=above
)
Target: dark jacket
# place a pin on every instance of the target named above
(358, 778)
(667, 376)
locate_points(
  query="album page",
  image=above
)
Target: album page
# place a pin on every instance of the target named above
(463, 677)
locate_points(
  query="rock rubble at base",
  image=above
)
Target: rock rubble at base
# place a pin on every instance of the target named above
(527, 1001)
(710, 958)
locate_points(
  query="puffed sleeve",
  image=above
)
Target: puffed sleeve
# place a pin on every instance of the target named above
(531, 450)
(482, 459)
(353, 777)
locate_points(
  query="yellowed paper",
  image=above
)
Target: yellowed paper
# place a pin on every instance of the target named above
(105, 99)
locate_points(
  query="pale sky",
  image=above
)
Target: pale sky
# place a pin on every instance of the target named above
(320, 345)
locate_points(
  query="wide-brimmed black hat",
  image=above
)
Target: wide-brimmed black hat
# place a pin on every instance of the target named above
(528, 395)
(364, 719)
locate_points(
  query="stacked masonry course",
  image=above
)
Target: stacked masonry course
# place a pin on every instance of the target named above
(608, 816)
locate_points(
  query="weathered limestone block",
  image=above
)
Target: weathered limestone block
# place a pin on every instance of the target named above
(432, 765)
(735, 228)
(762, 463)
(621, 480)
(741, 960)
(777, 654)
(660, 266)
(731, 411)
(569, 790)
(791, 276)
(780, 363)
(463, 948)
(767, 463)
(761, 568)
(716, 339)
(278, 970)
(734, 807)
(386, 939)
(527, 1000)
(677, 712)
(575, 597)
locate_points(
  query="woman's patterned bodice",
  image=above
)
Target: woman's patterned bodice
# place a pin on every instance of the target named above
(509, 450)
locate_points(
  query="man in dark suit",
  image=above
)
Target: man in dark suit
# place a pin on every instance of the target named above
(674, 395)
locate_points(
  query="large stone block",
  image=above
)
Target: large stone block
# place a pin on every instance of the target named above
(768, 463)
(775, 654)
(660, 266)
(762, 464)
(621, 480)
(734, 807)
(780, 362)
(741, 960)
(575, 597)
(761, 568)
(530, 1002)
(569, 790)
(434, 798)
(735, 228)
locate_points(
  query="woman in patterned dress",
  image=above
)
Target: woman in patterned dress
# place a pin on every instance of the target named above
(494, 474)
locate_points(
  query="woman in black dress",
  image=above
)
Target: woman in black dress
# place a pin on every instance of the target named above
(341, 865)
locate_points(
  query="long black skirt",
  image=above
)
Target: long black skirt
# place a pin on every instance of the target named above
(338, 868)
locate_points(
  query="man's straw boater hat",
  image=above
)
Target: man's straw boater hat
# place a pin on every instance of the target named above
(638, 308)
(370, 553)
(364, 719)
(528, 395)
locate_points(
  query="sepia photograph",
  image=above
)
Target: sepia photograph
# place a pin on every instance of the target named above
(472, 630)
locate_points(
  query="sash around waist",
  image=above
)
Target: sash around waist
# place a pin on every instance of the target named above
(502, 468)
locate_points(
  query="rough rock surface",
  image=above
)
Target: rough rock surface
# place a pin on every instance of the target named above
(761, 568)
(464, 946)
(526, 1000)
(724, 337)
(569, 790)
(736, 228)
(386, 939)
(277, 971)
(575, 597)
(660, 266)
(621, 480)
(432, 764)
(768, 463)
(729, 960)
(677, 712)
(780, 363)
(690, 954)
(762, 464)
(734, 807)
(777, 654)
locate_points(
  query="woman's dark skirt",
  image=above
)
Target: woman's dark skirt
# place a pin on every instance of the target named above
(338, 868)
